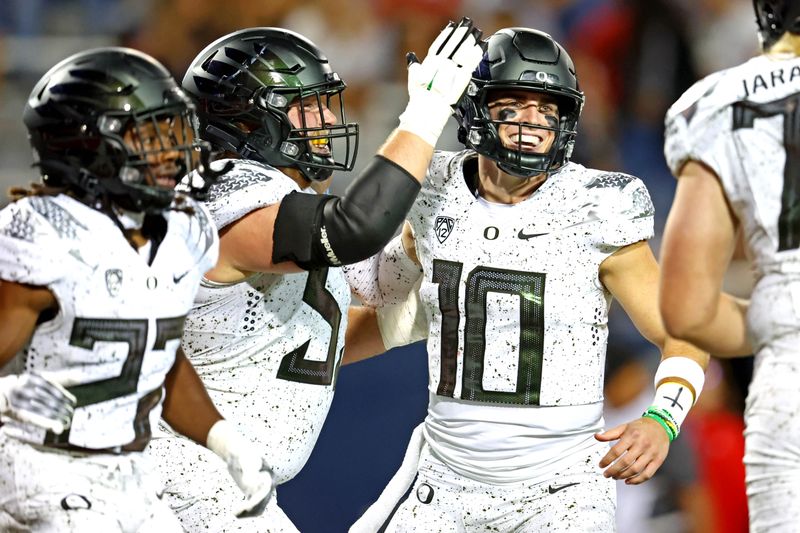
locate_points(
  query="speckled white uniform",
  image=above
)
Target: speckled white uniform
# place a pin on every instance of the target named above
(111, 344)
(268, 350)
(743, 124)
(518, 319)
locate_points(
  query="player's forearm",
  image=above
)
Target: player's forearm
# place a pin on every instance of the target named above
(722, 331)
(20, 307)
(187, 407)
(675, 347)
(408, 151)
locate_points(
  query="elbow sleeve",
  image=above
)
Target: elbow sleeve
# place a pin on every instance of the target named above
(318, 230)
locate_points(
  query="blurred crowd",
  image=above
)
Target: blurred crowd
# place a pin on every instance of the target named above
(633, 57)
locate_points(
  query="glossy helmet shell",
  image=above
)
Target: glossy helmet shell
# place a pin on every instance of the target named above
(78, 112)
(244, 83)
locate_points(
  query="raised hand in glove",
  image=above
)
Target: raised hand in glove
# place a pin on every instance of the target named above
(436, 84)
(34, 399)
(247, 467)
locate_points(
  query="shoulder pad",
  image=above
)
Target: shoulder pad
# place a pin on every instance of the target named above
(35, 233)
(447, 165)
(248, 186)
(623, 204)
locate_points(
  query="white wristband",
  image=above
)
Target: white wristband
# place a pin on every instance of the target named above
(223, 438)
(425, 118)
(678, 382)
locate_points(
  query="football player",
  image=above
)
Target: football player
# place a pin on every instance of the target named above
(99, 265)
(522, 251)
(731, 140)
(267, 330)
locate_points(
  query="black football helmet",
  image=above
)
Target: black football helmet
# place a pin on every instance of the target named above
(80, 112)
(521, 58)
(245, 84)
(776, 17)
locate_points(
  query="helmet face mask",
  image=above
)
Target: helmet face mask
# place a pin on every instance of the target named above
(160, 146)
(520, 59)
(269, 95)
(112, 126)
(319, 139)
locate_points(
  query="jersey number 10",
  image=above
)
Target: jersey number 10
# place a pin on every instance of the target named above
(529, 286)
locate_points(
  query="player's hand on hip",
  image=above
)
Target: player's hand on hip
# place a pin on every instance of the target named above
(641, 448)
(247, 467)
(437, 84)
(35, 399)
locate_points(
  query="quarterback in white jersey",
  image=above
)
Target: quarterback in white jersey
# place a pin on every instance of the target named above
(267, 329)
(732, 142)
(521, 252)
(97, 274)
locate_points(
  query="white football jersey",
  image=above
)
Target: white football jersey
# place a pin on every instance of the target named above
(517, 313)
(742, 123)
(119, 321)
(268, 348)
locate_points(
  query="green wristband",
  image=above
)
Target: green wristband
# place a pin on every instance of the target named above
(669, 425)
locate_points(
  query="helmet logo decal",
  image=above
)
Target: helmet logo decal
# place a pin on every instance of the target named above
(540, 76)
(444, 227)
(113, 281)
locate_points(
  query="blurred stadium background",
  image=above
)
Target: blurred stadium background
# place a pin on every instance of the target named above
(634, 58)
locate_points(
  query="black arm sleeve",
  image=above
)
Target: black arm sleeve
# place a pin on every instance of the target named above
(319, 230)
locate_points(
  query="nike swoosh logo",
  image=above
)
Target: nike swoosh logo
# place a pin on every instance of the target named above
(430, 84)
(552, 489)
(177, 279)
(526, 236)
(77, 255)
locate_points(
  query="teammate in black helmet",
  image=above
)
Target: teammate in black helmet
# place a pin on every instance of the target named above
(731, 140)
(246, 85)
(99, 265)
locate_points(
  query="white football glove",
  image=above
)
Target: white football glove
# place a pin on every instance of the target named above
(440, 80)
(35, 399)
(247, 467)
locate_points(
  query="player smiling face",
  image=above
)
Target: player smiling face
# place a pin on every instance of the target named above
(311, 113)
(520, 112)
(162, 144)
